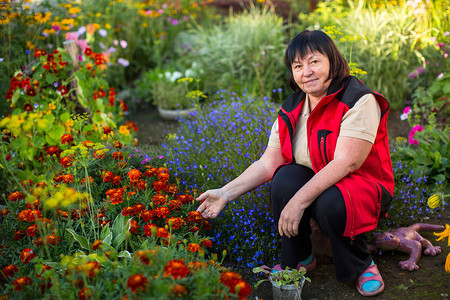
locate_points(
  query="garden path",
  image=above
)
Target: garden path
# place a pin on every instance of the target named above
(429, 282)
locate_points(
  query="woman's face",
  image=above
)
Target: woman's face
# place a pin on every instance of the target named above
(311, 73)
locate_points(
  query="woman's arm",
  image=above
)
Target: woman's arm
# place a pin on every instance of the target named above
(255, 175)
(350, 154)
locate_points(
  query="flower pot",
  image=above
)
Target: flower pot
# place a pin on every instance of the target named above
(287, 291)
(174, 114)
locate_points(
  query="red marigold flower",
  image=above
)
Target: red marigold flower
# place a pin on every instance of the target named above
(243, 289)
(99, 59)
(62, 214)
(117, 145)
(21, 282)
(186, 199)
(97, 244)
(116, 180)
(145, 255)
(194, 229)
(194, 217)
(38, 242)
(134, 227)
(27, 107)
(30, 215)
(162, 233)
(26, 255)
(83, 181)
(32, 230)
(10, 270)
(175, 204)
(196, 265)
(146, 215)
(206, 243)
(115, 195)
(107, 176)
(206, 225)
(137, 281)
(176, 268)
(123, 106)
(90, 268)
(4, 212)
(178, 291)
(159, 185)
(31, 92)
(66, 161)
(37, 52)
(66, 139)
(67, 178)
(175, 222)
(107, 129)
(63, 90)
(131, 125)
(84, 293)
(9, 94)
(52, 239)
(163, 176)
(88, 51)
(117, 155)
(88, 144)
(19, 234)
(53, 150)
(193, 247)
(230, 279)
(15, 196)
(150, 229)
(161, 212)
(171, 189)
(128, 211)
(159, 199)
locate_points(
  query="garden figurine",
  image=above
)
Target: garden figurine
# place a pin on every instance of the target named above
(408, 239)
(328, 159)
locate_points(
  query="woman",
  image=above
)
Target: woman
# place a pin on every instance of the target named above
(328, 159)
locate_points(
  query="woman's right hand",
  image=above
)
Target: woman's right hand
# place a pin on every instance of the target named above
(213, 201)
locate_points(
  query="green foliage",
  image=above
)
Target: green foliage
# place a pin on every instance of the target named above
(286, 277)
(243, 53)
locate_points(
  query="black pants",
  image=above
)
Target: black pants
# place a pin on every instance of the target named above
(351, 257)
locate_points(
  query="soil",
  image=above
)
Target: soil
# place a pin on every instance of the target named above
(429, 282)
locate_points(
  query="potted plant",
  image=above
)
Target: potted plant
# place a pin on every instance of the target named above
(174, 93)
(286, 284)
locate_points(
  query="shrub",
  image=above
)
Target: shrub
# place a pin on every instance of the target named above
(245, 52)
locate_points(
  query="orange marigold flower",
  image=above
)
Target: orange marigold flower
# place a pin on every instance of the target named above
(90, 268)
(67, 178)
(66, 139)
(62, 214)
(137, 281)
(196, 265)
(163, 176)
(194, 229)
(128, 211)
(158, 185)
(107, 176)
(83, 181)
(193, 247)
(88, 144)
(145, 255)
(176, 268)
(116, 180)
(30, 215)
(99, 154)
(66, 161)
(186, 199)
(10, 270)
(206, 225)
(26, 255)
(88, 51)
(117, 155)
(14, 196)
(115, 195)
(21, 282)
(134, 174)
(146, 215)
(175, 222)
(151, 172)
(162, 232)
(195, 217)
(97, 244)
(138, 208)
(172, 189)
(206, 243)
(32, 230)
(53, 150)
(4, 212)
(159, 199)
(38, 242)
(179, 291)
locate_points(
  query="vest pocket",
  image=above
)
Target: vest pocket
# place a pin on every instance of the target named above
(322, 140)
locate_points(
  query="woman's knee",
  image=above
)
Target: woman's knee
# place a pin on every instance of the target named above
(288, 179)
(330, 210)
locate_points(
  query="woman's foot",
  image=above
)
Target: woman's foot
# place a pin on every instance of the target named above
(309, 264)
(370, 282)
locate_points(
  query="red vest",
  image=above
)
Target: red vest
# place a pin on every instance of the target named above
(368, 190)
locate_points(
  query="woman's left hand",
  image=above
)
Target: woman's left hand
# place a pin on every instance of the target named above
(290, 219)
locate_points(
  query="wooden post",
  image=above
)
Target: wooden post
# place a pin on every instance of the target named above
(71, 47)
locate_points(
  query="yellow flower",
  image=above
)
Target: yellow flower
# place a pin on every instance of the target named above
(107, 26)
(434, 201)
(447, 264)
(74, 10)
(51, 106)
(4, 20)
(124, 130)
(1, 166)
(444, 234)
(144, 24)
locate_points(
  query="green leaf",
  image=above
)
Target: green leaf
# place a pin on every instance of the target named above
(15, 97)
(106, 235)
(50, 78)
(80, 239)
(125, 254)
(64, 117)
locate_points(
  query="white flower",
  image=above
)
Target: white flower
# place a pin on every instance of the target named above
(124, 62)
(123, 44)
(103, 32)
(81, 30)
(403, 116)
(440, 75)
(1, 59)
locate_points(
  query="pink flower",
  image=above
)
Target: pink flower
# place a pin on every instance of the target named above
(413, 131)
(123, 44)
(405, 113)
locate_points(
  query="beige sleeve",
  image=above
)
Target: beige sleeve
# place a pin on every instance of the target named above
(274, 139)
(362, 120)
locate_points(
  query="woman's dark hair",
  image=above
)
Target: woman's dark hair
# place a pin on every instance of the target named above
(315, 41)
